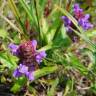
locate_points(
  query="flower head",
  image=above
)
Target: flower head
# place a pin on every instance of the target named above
(82, 19)
(78, 12)
(29, 57)
(84, 22)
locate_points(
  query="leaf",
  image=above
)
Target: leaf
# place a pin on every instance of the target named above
(93, 88)
(32, 90)
(76, 64)
(3, 33)
(26, 8)
(8, 60)
(44, 71)
(14, 8)
(62, 40)
(69, 91)
(51, 91)
(18, 84)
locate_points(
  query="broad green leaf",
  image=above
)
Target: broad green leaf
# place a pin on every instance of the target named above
(62, 40)
(18, 84)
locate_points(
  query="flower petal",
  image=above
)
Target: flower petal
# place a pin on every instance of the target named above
(34, 44)
(23, 69)
(13, 48)
(16, 73)
(40, 56)
(30, 76)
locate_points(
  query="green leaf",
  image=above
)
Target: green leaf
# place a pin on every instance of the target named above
(51, 91)
(14, 8)
(62, 40)
(3, 33)
(8, 60)
(19, 84)
(76, 64)
(26, 8)
(93, 88)
(32, 90)
(44, 71)
(69, 91)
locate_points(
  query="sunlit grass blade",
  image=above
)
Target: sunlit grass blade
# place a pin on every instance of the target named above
(15, 10)
(51, 91)
(69, 91)
(26, 8)
(44, 71)
(10, 23)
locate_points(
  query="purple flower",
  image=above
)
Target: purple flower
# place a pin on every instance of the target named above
(78, 12)
(16, 73)
(76, 6)
(34, 44)
(40, 56)
(23, 69)
(83, 19)
(30, 76)
(28, 58)
(13, 48)
(84, 22)
(67, 23)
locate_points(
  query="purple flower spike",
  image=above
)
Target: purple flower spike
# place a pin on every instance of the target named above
(13, 48)
(28, 58)
(82, 19)
(40, 56)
